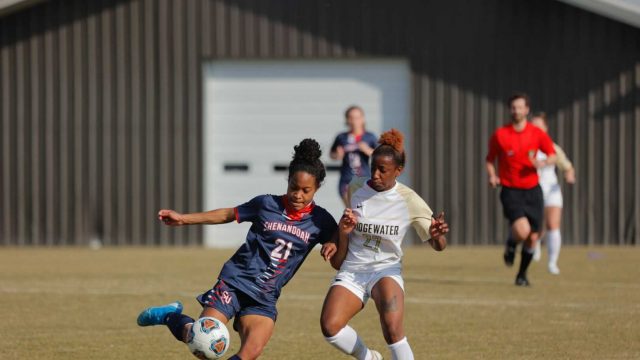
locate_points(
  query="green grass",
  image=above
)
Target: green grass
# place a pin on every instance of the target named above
(461, 304)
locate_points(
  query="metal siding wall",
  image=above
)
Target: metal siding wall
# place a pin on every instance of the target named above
(102, 105)
(91, 146)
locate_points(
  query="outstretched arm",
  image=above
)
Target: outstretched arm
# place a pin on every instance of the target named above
(218, 216)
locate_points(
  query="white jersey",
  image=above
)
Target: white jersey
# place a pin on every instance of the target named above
(383, 220)
(547, 175)
(549, 179)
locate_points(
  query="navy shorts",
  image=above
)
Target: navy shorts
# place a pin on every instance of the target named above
(234, 303)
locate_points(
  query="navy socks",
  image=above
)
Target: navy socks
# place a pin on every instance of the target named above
(176, 322)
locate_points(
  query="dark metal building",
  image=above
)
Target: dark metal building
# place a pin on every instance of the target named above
(101, 105)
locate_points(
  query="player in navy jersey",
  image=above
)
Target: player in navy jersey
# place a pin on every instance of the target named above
(284, 230)
(354, 148)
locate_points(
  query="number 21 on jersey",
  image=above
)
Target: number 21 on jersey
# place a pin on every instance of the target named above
(282, 245)
(372, 242)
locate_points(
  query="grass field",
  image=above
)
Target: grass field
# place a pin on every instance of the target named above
(461, 304)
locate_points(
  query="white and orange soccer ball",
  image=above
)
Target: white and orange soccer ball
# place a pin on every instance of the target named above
(208, 339)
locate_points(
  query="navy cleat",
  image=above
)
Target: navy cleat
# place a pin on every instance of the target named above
(156, 315)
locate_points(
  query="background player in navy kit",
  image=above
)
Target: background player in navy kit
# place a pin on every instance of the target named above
(285, 229)
(354, 148)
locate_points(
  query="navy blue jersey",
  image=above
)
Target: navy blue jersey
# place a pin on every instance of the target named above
(354, 162)
(277, 244)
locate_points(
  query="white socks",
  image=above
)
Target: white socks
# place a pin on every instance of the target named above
(401, 350)
(348, 341)
(554, 242)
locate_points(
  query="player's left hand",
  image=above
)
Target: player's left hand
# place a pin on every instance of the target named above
(439, 227)
(570, 176)
(328, 250)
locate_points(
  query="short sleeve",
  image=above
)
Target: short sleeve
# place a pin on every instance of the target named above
(493, 148)
(336, 143)
(249, 210)
(420, 213)
(546, 145)
(372, 140)
(328, 229)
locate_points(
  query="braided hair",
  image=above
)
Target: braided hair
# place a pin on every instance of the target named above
(306, 157)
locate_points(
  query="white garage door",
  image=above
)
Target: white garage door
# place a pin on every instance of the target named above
(256, 111)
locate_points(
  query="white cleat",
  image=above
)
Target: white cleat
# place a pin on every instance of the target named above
(553, 269)
(376, 355)
(537, 253)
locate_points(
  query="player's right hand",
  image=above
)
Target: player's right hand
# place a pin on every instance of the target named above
(494, 181)
(348, 221)
(328, 250)
(171, 218)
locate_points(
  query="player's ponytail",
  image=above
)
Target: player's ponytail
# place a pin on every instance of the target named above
(391, 144)
(306, 157)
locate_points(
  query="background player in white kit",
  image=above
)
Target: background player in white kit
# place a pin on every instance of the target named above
(552, 197)
(381, 211)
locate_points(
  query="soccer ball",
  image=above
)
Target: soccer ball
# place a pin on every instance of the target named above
(208, 339)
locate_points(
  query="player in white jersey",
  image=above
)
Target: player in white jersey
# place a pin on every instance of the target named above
(381, 211)
(552, 197)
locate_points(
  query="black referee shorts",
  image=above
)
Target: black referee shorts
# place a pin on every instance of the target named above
(529, 203)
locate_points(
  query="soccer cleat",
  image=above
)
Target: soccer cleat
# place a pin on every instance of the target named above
(521, 280)
(509, 255)
(537, 254)
(554, 269)
(156, 315)
(376, 355)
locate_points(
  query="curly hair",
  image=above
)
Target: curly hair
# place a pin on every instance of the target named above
(306, 157)
(391, 144)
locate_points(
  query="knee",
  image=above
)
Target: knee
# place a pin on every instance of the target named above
(251, 351)
(393, 332)
(330, 325)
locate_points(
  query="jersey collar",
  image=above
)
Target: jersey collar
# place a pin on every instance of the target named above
(369, 188)
(295, 215)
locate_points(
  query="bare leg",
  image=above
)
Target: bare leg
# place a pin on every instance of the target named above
(389, 299)
(521, 230)
(340, 306)
(255, 332)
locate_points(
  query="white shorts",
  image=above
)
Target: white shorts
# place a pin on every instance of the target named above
(552, 195)
(361, 283)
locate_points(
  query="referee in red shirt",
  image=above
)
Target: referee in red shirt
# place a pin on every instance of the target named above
(515, 146)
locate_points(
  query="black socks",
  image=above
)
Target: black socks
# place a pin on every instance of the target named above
(527, 255)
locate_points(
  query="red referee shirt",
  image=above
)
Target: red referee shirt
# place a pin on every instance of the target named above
(514, 151)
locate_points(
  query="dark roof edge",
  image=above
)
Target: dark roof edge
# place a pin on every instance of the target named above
(622, 11)
(10, 6)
